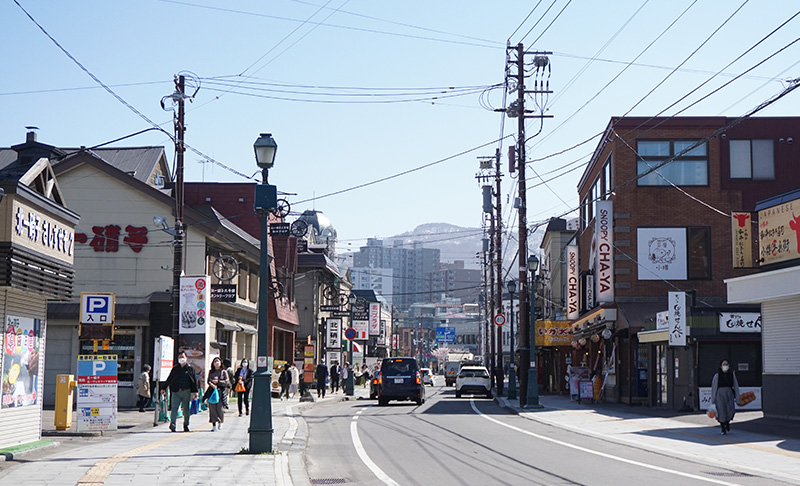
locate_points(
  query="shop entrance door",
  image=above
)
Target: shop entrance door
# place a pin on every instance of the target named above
(661, 374)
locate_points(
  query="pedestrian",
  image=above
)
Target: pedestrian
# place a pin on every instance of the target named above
(217, 381)
(226, 364)
(285, 380)
(143, 388)
(724, 395)
(295, 380)
(182, 383)
(365, 375)
(345, 375)
(322, 376)
(243, 377)
(334, 374)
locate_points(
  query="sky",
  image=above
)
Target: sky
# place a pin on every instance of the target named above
(356, 92)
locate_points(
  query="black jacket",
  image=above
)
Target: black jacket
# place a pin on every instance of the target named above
(172, 379)
(248, 378)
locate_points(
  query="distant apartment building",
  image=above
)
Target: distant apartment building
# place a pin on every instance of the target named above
(454, 281)
(379, 280)
(409, 264)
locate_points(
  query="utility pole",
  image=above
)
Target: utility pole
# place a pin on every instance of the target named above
(528, 372)
(177, 264)
(488, 255)
(499, 280)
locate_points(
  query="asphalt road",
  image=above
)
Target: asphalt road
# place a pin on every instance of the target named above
(450, 441)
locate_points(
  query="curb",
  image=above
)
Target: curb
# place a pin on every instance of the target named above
(12, 453)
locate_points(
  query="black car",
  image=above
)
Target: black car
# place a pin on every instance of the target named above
(400, 380)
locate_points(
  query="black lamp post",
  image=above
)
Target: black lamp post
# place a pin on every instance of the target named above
(512, 379)
(266, 200)
(349, 382)
(532, 400)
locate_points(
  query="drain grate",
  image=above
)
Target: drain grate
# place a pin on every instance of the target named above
(731, 474)
(328, 481)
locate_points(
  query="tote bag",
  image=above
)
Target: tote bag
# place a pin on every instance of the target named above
(214, 398)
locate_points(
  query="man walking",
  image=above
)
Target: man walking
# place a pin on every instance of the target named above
(335, 377)
(182, 383)
(322, 376)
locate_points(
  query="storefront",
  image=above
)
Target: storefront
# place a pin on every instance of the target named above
(36, 254)
(554, 354)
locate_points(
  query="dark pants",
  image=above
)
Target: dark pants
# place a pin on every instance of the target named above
(334, 383)
(285, 390)
(244, 397)
(142, 402)
(321, 388)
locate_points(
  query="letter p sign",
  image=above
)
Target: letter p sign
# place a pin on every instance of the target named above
(97, 308)
(98, 304)
(97, 367)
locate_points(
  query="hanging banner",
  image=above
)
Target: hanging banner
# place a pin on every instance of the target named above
(742, 240)
(604, 229)
(589, 286)
(677, 318)
(194, 304)
(573, 295)
(21, 361)
(779, 232)
(362, 329)
(382, 335)
(374, 319)
(333, 336)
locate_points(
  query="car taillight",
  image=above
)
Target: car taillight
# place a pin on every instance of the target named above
(418, 378)
(380, 380)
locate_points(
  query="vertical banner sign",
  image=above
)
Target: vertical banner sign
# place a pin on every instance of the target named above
(573, 297)
(362, 329)
(605, 255)
(21, 361)
(97, 392)
(742, 240)
(374, 319)
(677, 318)
(394, 341)
(194, 304)
(589, 285)
(382, 335)
(333, 335)
(163, 357)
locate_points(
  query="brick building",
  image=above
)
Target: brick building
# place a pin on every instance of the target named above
(656, 204)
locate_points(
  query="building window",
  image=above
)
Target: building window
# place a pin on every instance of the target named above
(752, 159)
(699, 249)
(608, 185)
(688, 169)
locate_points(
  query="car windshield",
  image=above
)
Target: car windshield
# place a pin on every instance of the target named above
(400, 368)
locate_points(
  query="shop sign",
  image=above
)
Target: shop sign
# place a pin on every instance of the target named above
(662, 320)
(661, 253)
(362, 329)
(22, 336)
(332, 357)
(779, 232)
(604, 226)
(573, 296)
(740, 322)
(164, 357)
(105, 239)
(553, 333)
(754, 404)
(742, 240)
(333, 333)
(677, 318)
(40, 233)
(589, 285)
(394, 341)
(194, 305)
(382, 335)
(374, 318)
(279, 229)
(97, 392)
(223, 292)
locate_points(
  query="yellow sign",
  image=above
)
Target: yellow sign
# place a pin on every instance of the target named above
(553, 333)
(742, 240)
(779, 232)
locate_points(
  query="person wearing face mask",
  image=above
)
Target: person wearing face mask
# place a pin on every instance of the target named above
(182, 383)
(724, 392)
(245, 375)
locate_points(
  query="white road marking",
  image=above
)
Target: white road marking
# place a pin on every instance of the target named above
(601, 454)
(290, 434)
(362, 453)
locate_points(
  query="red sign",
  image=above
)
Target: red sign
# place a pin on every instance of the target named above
(499, 319)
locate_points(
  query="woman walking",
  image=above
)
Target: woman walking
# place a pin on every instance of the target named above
(244, 382)
(143, 388)
(217, 381)
(724, 394)
(295, 380)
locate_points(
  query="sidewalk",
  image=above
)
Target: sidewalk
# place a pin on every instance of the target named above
(139, 453)
(755, 445)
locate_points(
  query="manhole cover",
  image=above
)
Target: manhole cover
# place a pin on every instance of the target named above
(729, 474)
(328, 481)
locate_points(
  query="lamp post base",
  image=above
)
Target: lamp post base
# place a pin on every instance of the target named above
(533, 389)
(349, 385)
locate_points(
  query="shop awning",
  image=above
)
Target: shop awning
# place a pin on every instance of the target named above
(247, 328)
(594, 322)
(657, 336)
(228, 326)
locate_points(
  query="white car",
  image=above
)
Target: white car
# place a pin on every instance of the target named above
(473, 380)
(427, 376)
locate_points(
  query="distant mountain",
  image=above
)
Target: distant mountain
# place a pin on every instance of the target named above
(454, 242)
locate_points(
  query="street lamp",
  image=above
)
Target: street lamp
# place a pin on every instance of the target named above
(266, 200)
(512, 379)
(533, 379)
(349, 383)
